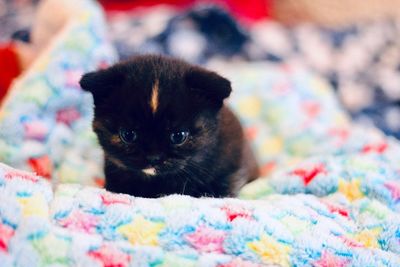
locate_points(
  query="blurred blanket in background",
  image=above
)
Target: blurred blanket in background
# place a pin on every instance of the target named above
(361, 61)
(45, 119)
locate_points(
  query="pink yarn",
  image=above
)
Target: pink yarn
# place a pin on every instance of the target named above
(394, 189)
(110, 256)
(78, 220)
(238, 262)
(68, 115)
(14, 173)
(6, 233)
(36, 130)
(329, 260)
(109, 199)
(207, 240)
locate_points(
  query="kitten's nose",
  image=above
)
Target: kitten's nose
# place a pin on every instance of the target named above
(154, 159)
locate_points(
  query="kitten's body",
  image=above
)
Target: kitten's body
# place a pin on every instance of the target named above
(158, 96)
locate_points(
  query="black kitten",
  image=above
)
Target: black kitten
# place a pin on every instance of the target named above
(164, 129)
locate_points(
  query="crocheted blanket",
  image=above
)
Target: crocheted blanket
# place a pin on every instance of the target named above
(45, 121)
(355, 222)
(330, 195)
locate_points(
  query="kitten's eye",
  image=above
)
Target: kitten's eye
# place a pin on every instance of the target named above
(179, 138)
(127, 136)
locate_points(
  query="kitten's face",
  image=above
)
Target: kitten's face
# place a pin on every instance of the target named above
(156, 115)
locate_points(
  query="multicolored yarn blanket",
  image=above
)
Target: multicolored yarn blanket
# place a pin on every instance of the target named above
(330, 195)
(45, 122)
(354, 222)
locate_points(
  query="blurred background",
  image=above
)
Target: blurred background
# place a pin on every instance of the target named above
(354, 45)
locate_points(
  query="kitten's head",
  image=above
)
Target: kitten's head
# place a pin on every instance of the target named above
(155, 114)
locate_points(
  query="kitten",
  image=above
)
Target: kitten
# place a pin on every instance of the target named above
(165, 129)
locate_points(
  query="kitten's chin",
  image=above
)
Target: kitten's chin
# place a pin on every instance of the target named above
(161, 170)
(149, 171)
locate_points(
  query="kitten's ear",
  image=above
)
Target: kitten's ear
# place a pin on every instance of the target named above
(208, 85)
(101, 82)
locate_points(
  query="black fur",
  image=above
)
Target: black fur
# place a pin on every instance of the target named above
(215, 160)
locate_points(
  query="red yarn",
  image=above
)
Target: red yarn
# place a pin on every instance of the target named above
(309, 174)
(42, 166)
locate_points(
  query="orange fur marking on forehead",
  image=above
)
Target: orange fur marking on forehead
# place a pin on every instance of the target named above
(154, 97)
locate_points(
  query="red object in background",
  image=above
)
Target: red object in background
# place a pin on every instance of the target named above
(99, 181)
(121, 5)
(249, 10)
(42, 166)
(9, 67)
